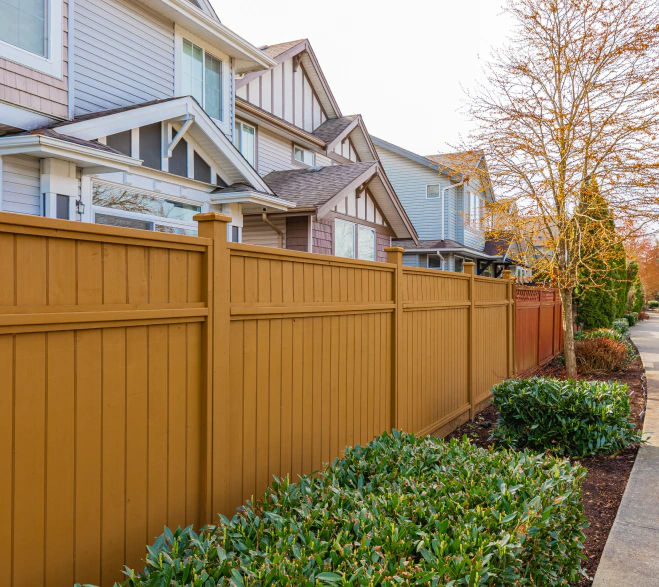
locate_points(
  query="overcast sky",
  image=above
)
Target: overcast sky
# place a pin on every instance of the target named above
(401, 65)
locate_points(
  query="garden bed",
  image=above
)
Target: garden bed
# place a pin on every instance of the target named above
(607, 476)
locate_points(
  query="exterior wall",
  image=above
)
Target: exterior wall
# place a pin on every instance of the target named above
(322, 237)
(37, 91)
(123, 55)
(21, 178)
(410, 179)
(274, 153)
(297, 233)
(382, 242)
(346, 149)
(286, 94)
(363, 208)
(257, 232)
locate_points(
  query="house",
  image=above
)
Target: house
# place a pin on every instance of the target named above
(291, 129)
(444, 196)
(125, 114)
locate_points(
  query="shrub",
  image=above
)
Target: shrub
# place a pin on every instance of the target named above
(574, 417)
(621, 326)
(601, 355)
(653, 304)
(631, 319)
(604, 348)
(399, 511)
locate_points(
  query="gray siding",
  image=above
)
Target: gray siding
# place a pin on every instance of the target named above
(275, 153)
(410, 179)
(21, 180)
(123, 55)
(257, 232)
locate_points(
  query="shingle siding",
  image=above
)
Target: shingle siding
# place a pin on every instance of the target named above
(322, 237)
(297, 233)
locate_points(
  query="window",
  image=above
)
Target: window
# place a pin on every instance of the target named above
(366, 243)
(303, 156)
(62, 211)
(245, 141)
(432, 191)
(458, 268)
(115, 205)
(31, 34)
(354, 241)
(345, 239)
(202, 78)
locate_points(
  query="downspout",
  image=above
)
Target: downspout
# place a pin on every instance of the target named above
(457, 185)
(275, 228)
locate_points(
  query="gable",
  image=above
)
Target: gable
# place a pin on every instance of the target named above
(362, 207)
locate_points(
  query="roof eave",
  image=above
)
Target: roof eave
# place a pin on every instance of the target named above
(248, 57)
(252, 197)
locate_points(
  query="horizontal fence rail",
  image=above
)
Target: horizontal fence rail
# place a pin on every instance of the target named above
(150, 380)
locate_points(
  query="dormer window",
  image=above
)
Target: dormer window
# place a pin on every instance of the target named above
(31, 34)
(202, 78)
(303, 156)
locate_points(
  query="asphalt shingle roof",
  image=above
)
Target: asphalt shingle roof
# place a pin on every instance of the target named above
(307, 187)
(333, 127)
(276, 50)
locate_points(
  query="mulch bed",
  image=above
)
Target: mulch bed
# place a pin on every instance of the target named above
(607, 476)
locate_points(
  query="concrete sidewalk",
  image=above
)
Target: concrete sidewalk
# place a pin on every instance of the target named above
(631, 554)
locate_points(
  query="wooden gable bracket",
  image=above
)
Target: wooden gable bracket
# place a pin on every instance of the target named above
(296, 61)
(362, 188)
(482, 265)
(187, 120)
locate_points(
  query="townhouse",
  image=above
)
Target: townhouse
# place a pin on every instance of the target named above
(142, 114)
(445, 196)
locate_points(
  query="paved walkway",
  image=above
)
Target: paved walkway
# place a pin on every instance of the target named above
(631, 554)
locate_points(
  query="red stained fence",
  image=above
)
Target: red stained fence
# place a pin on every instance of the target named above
(538, 327)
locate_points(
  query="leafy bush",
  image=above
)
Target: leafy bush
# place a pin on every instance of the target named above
(400, 511)
(602, 355)
(631, 319)
(574, 417)
(621, 326)
(653, 304)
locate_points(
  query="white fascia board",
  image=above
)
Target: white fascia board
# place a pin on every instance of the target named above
(103, 126)
(251, 198)
(248, 57)
(351, 187)
(21, 118)
(174, 109)
(41, 146)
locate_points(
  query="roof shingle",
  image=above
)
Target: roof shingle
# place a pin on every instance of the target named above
(276, 50)
(310, 187)
(333, 127)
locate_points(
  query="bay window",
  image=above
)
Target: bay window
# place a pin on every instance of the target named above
(244, 137)
(202, 78)
(31, 34)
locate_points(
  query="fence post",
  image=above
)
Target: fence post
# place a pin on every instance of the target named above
(213, 225)
(470, 269)
(510, 320)
(395, 257)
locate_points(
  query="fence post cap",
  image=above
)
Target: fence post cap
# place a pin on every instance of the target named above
(469, 267)
(212, 217)
(394, 250)
(506, 274)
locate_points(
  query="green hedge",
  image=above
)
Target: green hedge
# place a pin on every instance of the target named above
(621, 326)
(632, 319)
(399, 511)
(574, 417)
(653, 304)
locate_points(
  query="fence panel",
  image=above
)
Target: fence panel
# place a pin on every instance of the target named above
(100, 396)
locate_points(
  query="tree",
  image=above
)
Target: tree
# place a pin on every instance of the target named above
(646, 252)
(596, 295)
(639, 295)
(573, 95)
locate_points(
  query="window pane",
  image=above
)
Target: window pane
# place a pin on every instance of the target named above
(458, 264)
(213, 104)
(345, 239)
(366, 245)
(23, 24)
(308, 157)
(299, 154)
(109, 220)
(193, 75)
(121, 199)
(247, 143)
(432, 191)
(175, 230)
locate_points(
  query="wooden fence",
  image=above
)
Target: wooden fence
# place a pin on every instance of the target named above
(150, 379)
(538, 327)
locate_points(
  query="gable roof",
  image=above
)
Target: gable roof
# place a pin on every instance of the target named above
(494, 249)
(333, 128)
(420, 159)
(203, 130)
(460, 161)
(282, 52)
(322, 187)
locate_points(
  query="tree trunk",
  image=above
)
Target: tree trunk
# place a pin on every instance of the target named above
(568, 333)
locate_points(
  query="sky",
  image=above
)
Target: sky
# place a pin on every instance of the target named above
(402, 65)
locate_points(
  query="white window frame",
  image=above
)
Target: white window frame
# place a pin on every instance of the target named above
(439, 191)
(313, 155)
(139, 216)
(51, 64)
(180, 35)
(235, 138)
